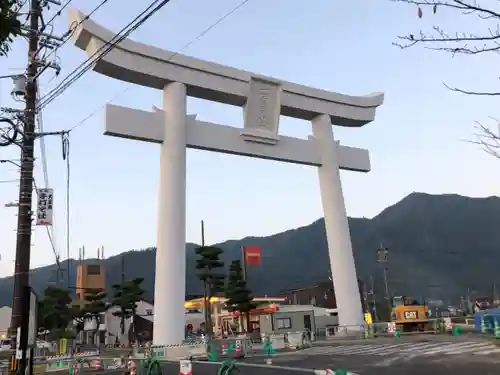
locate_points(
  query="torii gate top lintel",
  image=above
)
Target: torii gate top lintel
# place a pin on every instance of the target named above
(153, 67)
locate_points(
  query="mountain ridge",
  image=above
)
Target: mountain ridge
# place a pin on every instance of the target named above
(440, 246)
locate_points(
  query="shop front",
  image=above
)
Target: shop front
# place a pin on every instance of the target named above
(228, 322)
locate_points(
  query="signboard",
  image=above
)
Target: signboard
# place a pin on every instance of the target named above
(44, 214)
(410, 315)
(447, 324)
(186, 368)
(63, 346)
(19, 352)
(391, 327)
(368, 318)
(32, 327)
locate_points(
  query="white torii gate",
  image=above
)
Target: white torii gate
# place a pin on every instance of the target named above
(263, 100)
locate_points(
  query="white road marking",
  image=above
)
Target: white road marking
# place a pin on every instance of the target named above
(488, 352)
(471, 348)
(403, 350)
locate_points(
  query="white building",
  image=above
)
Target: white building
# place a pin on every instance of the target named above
(110, 327)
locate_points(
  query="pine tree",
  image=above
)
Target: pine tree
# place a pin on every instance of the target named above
(207, 264)
(239, 297)
(55, 312)
(126, 297)
(95, 305)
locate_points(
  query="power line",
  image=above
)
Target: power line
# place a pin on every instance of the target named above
(43, 158)
(182, 49)
(69, 33)
(65, 153)
(79, 71)
(56, 14)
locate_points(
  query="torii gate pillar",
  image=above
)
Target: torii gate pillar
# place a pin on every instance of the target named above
(264, 99)
(170, 286)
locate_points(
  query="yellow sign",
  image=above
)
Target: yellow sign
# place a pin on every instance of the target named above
(368, 318)
(63, 346)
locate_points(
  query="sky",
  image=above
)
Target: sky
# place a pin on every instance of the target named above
(418, 141)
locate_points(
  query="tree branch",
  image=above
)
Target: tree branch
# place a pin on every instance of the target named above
(477, 93)
(459, 42)
(487, 139)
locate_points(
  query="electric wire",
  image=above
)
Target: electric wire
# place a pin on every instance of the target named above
(43, 157)
(69, 33)
(78, 72)
(108, 46)
(65, 155)
(56, 14)
(18, 11)
(182, 49)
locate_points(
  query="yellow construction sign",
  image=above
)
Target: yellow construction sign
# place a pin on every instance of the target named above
(63, 346)
(368, 318)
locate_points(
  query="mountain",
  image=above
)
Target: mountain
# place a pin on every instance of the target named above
(440, 246)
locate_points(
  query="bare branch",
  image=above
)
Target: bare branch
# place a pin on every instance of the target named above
(458, 42)
(487, 139)
(465, 6)
(478, 93)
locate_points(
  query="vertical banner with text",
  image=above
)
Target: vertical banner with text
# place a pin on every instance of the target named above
(44, 213)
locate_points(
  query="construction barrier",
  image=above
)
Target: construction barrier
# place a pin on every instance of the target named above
(298, 340)
(228, 348)
(276, 340)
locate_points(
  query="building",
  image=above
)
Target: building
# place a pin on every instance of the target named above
(320, 295)
(293, 318)
(89, 276)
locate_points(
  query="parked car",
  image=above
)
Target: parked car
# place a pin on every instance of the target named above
(4, 345)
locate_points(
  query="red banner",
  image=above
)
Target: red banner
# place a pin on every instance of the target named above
(252, 255)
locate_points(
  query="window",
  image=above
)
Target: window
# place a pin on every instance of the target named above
(94, 269)
(284, 323)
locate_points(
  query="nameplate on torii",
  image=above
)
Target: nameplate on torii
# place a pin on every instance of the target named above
(262, 111)
(148, 126)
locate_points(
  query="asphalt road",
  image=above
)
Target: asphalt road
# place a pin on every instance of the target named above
(415, 355)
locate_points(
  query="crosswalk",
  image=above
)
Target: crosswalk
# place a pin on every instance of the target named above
(410, 349)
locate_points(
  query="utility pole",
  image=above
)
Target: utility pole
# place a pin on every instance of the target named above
(374, 299)
(383, 258)
(122, 266)
(206, 302)
(28, 88)
(23, 243)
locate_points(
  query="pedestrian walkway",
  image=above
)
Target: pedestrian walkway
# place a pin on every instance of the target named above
(410, 349)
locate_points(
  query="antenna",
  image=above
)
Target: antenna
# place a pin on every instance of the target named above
(102, 252)
(83, 254)
(98, 253)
